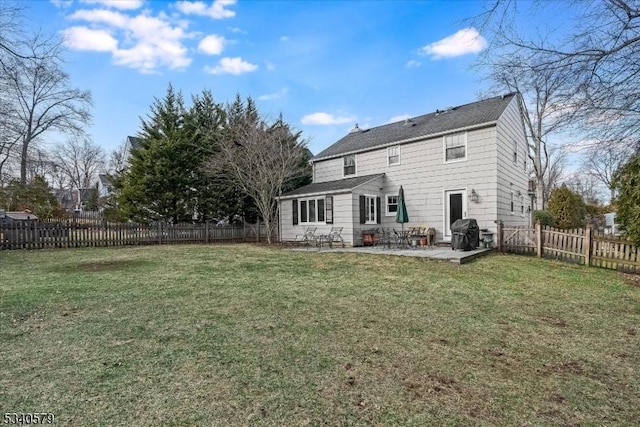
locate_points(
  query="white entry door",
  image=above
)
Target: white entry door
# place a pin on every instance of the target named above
(455, 207)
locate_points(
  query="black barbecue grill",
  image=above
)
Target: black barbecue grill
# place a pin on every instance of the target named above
(465, 234)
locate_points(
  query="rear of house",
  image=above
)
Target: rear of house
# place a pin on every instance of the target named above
(469, 161)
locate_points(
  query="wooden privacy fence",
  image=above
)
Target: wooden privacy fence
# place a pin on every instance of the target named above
(579, 246)
(73, 234)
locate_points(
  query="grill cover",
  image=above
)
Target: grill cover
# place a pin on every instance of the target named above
(465, 234)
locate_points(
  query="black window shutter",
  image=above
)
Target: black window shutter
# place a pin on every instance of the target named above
(329, 209)
(295, 211)
(378, 210)
(363, 211)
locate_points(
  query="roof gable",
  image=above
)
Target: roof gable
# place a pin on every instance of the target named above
(461, 117)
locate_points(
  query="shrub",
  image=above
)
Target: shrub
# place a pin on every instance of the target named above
(544, 218)
(567, 207)
(627, 182)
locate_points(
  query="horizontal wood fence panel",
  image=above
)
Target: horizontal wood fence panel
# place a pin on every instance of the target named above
(582, 246)
(78, 234)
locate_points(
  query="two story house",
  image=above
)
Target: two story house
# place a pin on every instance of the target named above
(468, 161)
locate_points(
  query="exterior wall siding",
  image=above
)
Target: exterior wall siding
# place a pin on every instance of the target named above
(512, 176)
(425, 176)
(342, 217)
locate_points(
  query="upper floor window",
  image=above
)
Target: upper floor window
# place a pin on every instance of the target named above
(393, 155)
(349, 165)
(515, 152)
(455, 147)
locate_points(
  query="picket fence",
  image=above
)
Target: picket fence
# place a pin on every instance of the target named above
(75, 234)
(579, 246)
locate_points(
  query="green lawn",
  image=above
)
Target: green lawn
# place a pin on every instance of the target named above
(251, 335)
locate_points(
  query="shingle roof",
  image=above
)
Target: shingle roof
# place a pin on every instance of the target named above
(134, 142)
(333, 186)
(463, 116)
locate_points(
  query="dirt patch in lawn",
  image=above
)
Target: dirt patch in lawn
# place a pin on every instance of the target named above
(631, 279)
(106, 265)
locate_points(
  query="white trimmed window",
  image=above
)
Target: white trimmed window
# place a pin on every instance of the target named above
(515, 152)
(512, 203)
(311, 210)
(455, 147)
(392, 204)
(349, 165)
(393, 155)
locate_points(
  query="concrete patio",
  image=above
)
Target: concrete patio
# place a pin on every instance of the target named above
(443, 253)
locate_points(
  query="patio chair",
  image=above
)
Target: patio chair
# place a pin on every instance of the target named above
(387, 237)
(308, 238)
(334, 236)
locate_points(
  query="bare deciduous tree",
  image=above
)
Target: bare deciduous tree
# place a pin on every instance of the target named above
(118, 159)
(600, 50)
(543, 109)
(603, 160)
(260, 159)
(80, 160)
(556, 161)
(40, 95)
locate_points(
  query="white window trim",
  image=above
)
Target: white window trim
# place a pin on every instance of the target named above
(522, 209)
(375, 210)
(399, 155)
(512, 202)
(316, 222)
(386, 202)
(444, 148)
(355, 159)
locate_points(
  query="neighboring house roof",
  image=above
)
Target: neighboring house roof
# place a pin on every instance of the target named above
(332, 186)
(439, 122)
(64, 198)
(133, 142)
(104, 180)
(86, 193)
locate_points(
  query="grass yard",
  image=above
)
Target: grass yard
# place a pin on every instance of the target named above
(251, 335)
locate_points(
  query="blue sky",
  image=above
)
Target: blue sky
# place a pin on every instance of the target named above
(325, 65)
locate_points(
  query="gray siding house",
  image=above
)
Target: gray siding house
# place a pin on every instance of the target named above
(468, 161)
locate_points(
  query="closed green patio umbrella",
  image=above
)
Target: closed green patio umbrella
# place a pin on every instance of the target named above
(402, 215)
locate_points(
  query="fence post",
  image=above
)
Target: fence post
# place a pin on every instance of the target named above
(539, 242)
(587, 246)
(206, 231)
(500, 235)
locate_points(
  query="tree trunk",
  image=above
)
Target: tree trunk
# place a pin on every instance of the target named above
(23, 162)
(540, 194)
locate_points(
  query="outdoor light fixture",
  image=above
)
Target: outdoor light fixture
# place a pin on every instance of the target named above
(474, 197)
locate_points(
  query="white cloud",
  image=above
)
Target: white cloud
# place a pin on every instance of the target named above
(83, 38)
(399, 118)
(325, 119)
(276, 95)
(413, 64)
(149, 42)
(212, 45)
(233, 66)
(284, 38)
(101, 16)
(117, 4)
(465, 41)
(217, 9)
(62, 3)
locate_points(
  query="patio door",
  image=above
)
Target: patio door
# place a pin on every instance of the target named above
(455, 207)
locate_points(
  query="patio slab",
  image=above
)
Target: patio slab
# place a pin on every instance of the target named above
(435, 252)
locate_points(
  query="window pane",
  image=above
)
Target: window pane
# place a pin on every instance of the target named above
(312, 211)
(320, 210)
(303, 211)
(455, 153)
